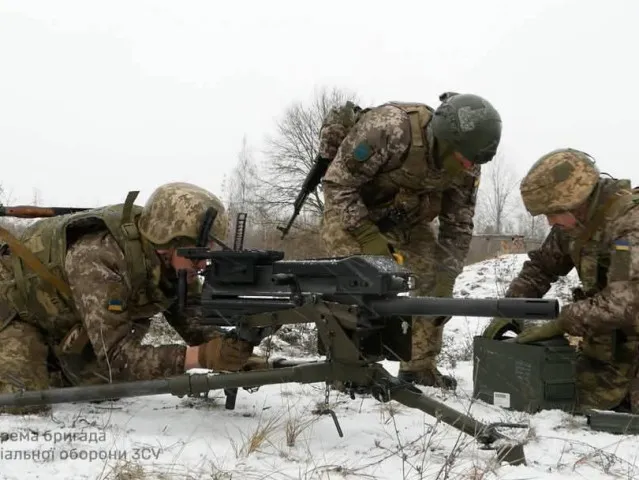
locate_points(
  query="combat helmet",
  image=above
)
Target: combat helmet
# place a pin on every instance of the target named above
(469, 124)
(559, 181)
(175, 212)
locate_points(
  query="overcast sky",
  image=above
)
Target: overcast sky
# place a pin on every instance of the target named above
(99, 98)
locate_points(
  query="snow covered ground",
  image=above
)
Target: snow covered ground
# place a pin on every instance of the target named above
(274, 434)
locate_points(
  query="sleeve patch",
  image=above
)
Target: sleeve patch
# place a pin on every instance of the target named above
(622, 245)
(362, 152)
(620, 261)
(116, 298)
(115, 305)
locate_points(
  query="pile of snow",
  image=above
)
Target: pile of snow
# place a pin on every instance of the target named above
(273, 433)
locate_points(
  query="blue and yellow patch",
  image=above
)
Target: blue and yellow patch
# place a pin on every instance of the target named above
(115, 305)
(362, 152)
(622, 245)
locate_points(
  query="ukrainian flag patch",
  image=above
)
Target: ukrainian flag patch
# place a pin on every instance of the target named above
(115, 305)
(622, 245)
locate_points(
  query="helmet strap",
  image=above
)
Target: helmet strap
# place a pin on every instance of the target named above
(205, 229)
(593, 201)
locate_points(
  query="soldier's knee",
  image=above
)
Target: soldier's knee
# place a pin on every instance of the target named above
(20, 374)
(8, 388)
(23, 363)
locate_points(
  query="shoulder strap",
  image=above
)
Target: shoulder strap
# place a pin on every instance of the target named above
(17, 248)
(132, 246)
(419, 115)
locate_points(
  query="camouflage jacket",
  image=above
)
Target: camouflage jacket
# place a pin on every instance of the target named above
(607, 265)
(374, 175)
(101, 307)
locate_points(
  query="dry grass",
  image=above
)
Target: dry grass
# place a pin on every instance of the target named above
(295, 425)
(257, 437)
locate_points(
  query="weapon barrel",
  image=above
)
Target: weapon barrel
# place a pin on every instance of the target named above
(28, 211)
(519, 308)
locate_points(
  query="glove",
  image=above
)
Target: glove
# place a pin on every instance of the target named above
(371, 240)
(543, 332)
(498, 326)
(224, 353)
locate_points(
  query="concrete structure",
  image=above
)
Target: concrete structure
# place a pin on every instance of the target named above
(489, 245)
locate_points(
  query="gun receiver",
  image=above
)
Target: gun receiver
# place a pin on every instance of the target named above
(253, 290)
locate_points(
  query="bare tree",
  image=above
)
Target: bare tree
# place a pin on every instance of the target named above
(496, 197)
(240, 189)
(6, 198)
(292, 150)
(534, 228)
(37, 197)
(242, 181)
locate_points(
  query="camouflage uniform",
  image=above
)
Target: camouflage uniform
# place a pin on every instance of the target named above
(387, 171)
(93, 333)
(603, 250)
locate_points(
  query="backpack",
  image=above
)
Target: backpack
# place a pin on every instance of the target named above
(336, 124)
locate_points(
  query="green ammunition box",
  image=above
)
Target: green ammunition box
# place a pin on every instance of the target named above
(524, 377)
(613, 422)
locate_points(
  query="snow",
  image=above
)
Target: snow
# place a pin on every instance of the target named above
(274, 434)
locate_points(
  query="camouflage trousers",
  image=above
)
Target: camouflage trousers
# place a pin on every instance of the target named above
(24, 363)
(418, 248)
(607, 386)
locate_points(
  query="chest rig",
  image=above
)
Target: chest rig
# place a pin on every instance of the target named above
(41, 292)
(413, 191)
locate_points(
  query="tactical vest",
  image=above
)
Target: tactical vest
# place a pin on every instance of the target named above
(417, 183)
(36, 298)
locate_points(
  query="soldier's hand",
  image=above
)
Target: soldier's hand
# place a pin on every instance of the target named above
(224, 353)
(371, 240)
(543, 332)
(498, 326)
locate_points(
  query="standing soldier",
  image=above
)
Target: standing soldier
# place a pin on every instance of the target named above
(595, 229)
(400, 167)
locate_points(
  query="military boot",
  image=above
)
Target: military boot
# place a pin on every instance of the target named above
(431, 377)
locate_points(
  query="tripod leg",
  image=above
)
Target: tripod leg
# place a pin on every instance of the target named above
(507, 450)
